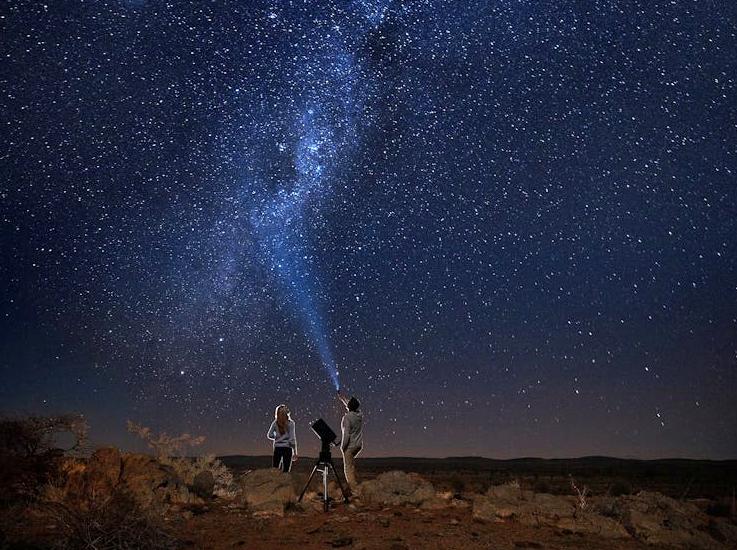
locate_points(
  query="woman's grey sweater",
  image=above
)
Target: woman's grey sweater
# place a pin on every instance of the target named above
(287, 439)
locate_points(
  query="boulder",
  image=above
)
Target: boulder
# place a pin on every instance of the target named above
(509, 492)
(397, 488)
(654, 518)
(153, 484)
(592, 523)
(149, 482)
(311, 502)
(651, 518)
(267, 490)
(554, 506)
(509, 503)
(147, 479)
(484, 510)
(203, 484)
(103, 472)
(501, 503)
(73, 471)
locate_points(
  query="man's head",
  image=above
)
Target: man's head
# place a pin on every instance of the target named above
(353, 404)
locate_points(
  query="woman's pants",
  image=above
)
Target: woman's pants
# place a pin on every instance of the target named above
(283, 457)
(349, 466)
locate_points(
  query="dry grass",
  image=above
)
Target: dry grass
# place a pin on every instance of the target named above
(114, 523)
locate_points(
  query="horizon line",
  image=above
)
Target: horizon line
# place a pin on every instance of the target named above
(479, 457)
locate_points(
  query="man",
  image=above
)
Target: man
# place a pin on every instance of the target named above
(352, 430)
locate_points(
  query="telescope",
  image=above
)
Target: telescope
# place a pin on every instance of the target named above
(324, 462)
(325, 433)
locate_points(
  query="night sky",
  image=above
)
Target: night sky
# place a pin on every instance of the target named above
(508, 227)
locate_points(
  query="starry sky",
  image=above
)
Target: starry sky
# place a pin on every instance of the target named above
(508, 227)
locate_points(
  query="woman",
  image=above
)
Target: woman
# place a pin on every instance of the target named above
(283, 434)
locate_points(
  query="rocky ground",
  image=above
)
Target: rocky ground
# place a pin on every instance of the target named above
(380, 528)
(113, 494)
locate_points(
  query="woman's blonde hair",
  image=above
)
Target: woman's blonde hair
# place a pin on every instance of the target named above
(281, 415)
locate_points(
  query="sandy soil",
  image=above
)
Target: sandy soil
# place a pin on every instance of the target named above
(396, 528)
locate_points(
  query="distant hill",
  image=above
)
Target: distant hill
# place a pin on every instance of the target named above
(588, 465)
(675, 477)
(524, 463)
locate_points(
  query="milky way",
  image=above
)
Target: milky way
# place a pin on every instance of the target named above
(331, 91)
(509, 228)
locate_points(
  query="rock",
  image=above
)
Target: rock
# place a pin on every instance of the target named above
(555, 506)
(591, 523)
(73, 471)
(651, 518)
(341, 542)
(267, 490)
(150, 483)
(339, 519)
(657, 519)
(508, 503)
(484, 510)
(504, 513)
(312, 502)
(153, 484)
(147, 479)
(398, 488)
(103, 472)
(509, 492)
(203, 484)
(268, 514)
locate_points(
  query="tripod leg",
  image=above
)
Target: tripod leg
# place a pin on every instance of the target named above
(340, 483)
(304, 489)
(325, 496)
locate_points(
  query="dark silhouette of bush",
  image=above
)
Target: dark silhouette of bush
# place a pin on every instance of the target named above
(29, 455)
(720, 508)
(541, 486)
(457, 485)
(620, 488)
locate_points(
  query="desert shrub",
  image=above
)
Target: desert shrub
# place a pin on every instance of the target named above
(35, 435)
(620, 488)
(457, 485)
(541, 486)
(292, 507)
(30, 452)
(114, 523)
(170, 450)
(483, 486)
(721, 508)
(581, 493)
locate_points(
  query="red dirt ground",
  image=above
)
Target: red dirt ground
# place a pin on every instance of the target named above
(394, 528)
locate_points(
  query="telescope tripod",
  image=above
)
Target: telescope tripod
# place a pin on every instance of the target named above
(324, 465)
